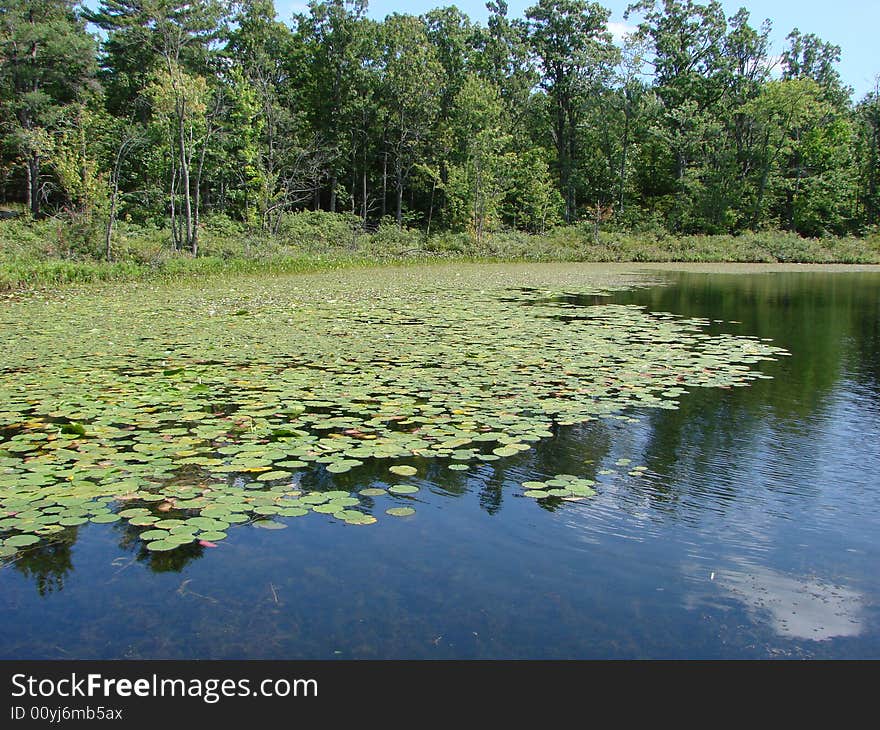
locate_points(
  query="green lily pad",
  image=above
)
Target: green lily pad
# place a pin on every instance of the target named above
(269, 524)
(162, 545)
(105, 518)
(153, 535)
(72, 521)
(212, 536)
(362, 519)
(270, 476)
(328, 508)
(403, 470)
(18, 541)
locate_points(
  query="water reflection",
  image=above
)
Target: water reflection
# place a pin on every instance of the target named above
(796, 607)
(48, 563)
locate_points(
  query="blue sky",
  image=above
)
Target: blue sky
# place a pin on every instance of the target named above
(851, 24)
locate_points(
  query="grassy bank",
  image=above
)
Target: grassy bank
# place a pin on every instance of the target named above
(49, 253)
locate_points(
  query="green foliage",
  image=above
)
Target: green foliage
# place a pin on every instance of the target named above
(194, 110)
(43, 253)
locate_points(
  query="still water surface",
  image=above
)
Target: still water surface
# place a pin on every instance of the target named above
(754, 532)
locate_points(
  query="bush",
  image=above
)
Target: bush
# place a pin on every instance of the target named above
(317, 229)
(52, 251)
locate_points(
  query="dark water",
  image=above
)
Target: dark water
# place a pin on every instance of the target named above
(755, 531)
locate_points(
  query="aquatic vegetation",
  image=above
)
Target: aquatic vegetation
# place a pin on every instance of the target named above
(561, 485)
(187, 412)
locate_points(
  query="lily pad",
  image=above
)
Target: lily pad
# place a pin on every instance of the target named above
(18, 541)
(105, 518)
(162, 545)
(403, 470)
(212, 536)
(269, 524)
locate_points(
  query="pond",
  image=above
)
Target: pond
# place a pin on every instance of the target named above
(485, 461)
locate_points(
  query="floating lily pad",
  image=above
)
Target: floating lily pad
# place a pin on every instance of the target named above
(105, 518)
(362, 519)
(403, 489)
(270, 476)
(18, 541)
(212, 536)
(403, 470)
(269, 524)
(168, 524)
(162, 545)
(328, 508)
(314, 499)
(72, 521)
(400, 511)
(153, 535)
(505, 451)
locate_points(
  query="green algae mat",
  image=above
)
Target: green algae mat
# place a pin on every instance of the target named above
(193, 410)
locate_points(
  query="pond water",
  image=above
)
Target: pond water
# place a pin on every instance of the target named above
(719, 496)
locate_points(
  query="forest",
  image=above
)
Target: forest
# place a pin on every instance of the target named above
(168, 113)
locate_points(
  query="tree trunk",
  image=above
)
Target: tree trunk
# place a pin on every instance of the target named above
(33, 176)
(184, 181)
(624, 150)
(385, 184)
(175, 239)
(29, 188)
(399, 199)
(333, 194)
(562, 154)
(431, 208)
(111, 218)
(364, 193)
(198, 198)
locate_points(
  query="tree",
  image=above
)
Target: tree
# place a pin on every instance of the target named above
(178, 35)
(570, 40)
(332, 34)
(689, 72)
(48, 60)
(411, 79)
(127, 137)
(478, 180)
(867, 119)
(180, 102)
(802, 156)
(809, 57)
(286, 154)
